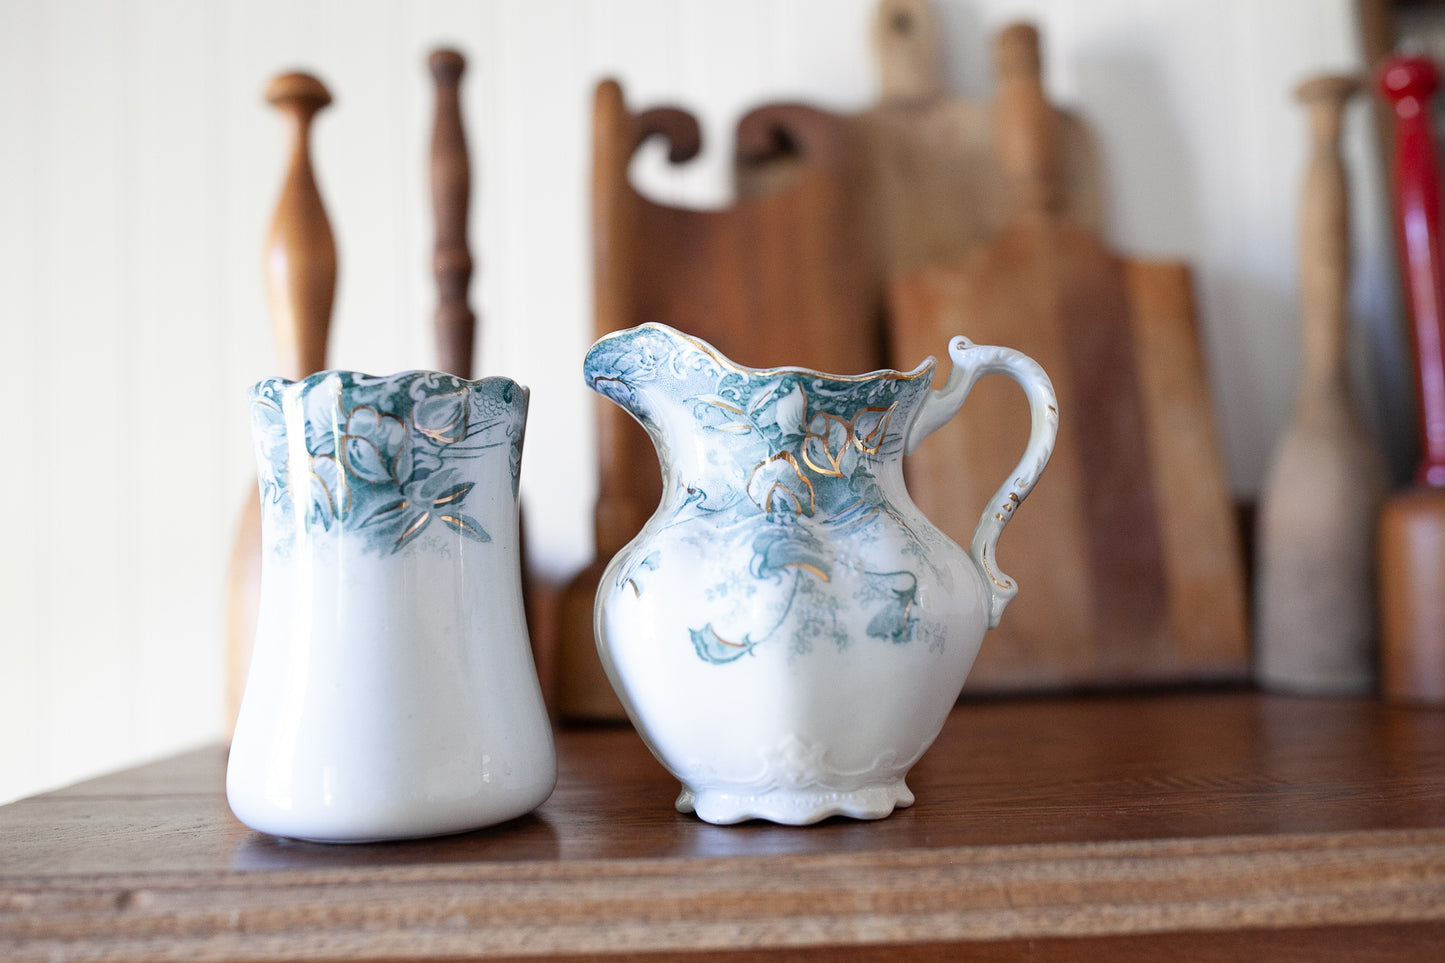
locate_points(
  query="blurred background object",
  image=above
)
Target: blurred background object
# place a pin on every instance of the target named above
(143, 173)
(1315, 583)
(1129, 555)
(451, 191)
(1412, 528)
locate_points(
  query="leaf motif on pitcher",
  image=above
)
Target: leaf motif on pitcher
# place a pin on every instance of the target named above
(386, 470)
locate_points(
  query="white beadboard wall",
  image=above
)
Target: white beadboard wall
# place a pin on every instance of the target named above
(139, 167)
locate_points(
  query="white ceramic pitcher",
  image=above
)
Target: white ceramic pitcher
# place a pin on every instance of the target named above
(392, 691)
(788, 632)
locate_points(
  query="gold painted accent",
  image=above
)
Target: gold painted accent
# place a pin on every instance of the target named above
(988, 568)
(341, 447)
(735, 645)
(329, 500)
(400, 506)
(341, 485)
(450, 498)
(411, 529)
(1013, 497)
(457, 522)
(812, 568)
(875, 437)
(766, 503)
(768, 499)
(834, 470)
(725, 406)
(438, 434)
(635, 590)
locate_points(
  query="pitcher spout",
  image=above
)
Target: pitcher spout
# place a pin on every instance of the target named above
(625, 367)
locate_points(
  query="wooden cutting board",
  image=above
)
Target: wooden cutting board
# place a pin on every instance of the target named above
(933, 186)
(1126, 554)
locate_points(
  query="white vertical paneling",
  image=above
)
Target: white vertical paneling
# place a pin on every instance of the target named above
(24, 748)
(132, 317)
(85, 399)
(538, 202)
(176, 487)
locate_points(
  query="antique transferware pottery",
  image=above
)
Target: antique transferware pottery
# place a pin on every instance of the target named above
(787, 631)
(392, 691)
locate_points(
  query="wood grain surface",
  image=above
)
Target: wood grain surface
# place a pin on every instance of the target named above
(1126, 554)
(1207, 819)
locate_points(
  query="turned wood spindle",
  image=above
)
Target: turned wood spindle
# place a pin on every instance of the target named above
(300, 250)
(1412, 526)
(1315, 621)
(450, 193)
(300, 277)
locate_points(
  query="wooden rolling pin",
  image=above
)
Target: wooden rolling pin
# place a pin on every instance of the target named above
(450, 197)
(1412, 525)
(1315, 615)
(300, 277)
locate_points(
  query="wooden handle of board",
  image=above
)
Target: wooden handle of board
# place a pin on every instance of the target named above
(300, 276)
(1407, 83)
(450, 197)
(300, 252)
(905, 45)
(1024, 130)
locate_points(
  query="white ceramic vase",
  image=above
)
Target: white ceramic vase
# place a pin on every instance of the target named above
(788, 632)
(392, 692)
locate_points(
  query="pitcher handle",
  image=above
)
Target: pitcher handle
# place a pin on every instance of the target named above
(970, 363)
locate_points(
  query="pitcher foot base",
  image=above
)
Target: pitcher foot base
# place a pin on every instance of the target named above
(795, 807)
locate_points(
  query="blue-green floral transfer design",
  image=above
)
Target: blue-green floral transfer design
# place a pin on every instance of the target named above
(784, 466)
(383, 459)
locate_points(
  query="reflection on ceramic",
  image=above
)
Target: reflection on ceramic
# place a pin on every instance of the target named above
(392, 692)
(787, 631)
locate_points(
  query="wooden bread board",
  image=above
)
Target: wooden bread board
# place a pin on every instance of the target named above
(932, 184)
(1126, 553)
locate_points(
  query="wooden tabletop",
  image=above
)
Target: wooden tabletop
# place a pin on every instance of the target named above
(1122, 827)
